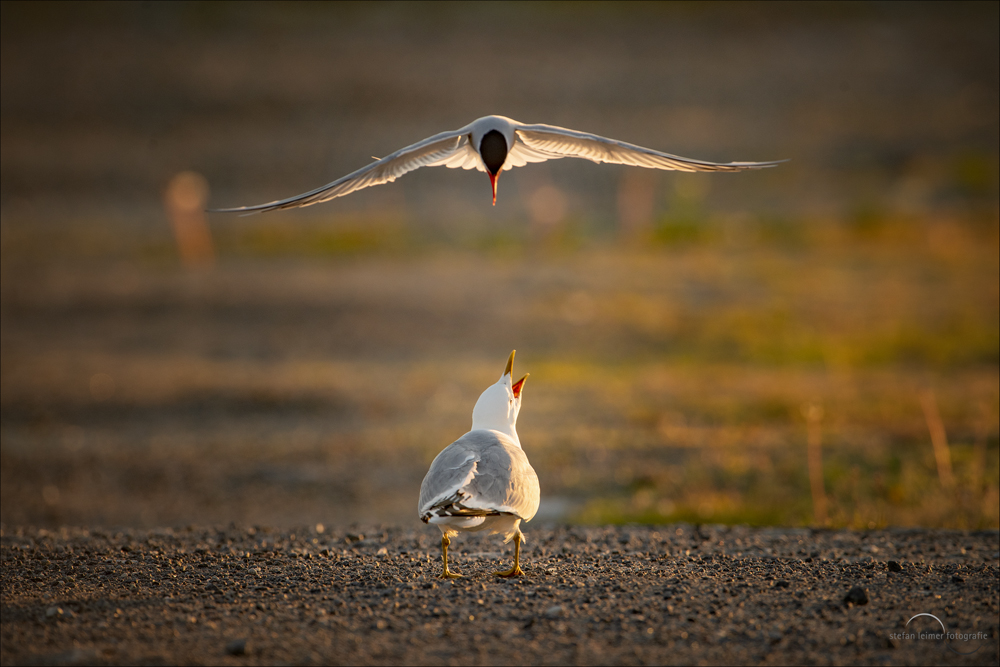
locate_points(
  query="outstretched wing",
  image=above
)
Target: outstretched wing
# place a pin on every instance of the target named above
(448, 149)
(535, 143)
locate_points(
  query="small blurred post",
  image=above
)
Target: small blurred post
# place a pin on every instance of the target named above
(813, 415)
(939, 438)
(184, 201)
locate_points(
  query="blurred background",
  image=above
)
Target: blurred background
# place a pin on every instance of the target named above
(815, 344)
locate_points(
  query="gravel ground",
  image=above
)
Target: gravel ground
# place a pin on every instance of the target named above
(631, 595)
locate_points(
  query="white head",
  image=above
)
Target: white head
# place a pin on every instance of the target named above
(498, 406)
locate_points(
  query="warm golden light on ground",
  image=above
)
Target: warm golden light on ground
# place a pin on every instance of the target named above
(674, 324)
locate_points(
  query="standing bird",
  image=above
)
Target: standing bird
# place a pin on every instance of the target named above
(483, 480)
(494, 144)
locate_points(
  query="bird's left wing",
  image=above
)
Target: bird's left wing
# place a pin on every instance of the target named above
(450, 149)
(535, 143)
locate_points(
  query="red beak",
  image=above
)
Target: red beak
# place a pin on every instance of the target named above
(493, 183)
(519, 385)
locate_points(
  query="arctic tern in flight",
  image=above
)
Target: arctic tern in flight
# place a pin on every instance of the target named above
(494, 144)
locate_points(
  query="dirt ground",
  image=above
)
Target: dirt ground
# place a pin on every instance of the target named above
(628, 595)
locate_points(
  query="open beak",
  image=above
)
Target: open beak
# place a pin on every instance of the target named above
(493, 183)
(519, 385)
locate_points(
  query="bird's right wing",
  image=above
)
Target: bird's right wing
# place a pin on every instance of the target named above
(451, 470)
(535, 143)
(448, 149)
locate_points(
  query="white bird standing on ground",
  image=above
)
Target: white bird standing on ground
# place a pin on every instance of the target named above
(494, 144)
(483, 480)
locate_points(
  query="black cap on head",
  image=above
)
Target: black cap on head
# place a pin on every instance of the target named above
(493, 148)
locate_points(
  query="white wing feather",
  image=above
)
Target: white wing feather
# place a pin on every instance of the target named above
(535, 143)
(465, 157)
(449, 149)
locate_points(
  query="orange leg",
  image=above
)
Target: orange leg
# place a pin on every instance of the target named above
(515, 571)
(446, 573)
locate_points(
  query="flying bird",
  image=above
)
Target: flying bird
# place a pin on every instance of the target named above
(494, 144)
(483, 480)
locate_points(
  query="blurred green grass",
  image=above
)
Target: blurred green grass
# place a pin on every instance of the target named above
(674, 325)
(668, 379)
(892, 484)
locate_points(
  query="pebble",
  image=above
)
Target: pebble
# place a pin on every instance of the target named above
(856, 596)
(720, 604)
(237, 647)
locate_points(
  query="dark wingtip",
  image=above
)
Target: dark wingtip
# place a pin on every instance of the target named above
(243, 210)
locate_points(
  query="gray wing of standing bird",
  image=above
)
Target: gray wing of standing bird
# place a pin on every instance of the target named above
(480, 475)
(483, 480)
(493, 144)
